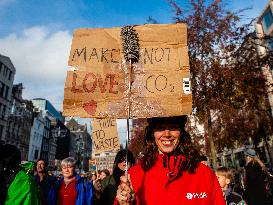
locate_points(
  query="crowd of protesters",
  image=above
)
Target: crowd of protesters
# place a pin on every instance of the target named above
(170, 171)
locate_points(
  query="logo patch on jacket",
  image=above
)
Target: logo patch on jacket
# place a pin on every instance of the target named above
(200, 195)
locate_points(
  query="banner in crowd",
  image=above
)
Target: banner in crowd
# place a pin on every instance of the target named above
(105, 135)
(92, 165)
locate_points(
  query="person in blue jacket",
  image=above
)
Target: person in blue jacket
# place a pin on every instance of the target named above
(70, 189)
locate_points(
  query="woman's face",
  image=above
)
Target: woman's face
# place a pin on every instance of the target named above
(68, 171)
(102, 175)
(93, 177)
(122, 164)
(167, 137)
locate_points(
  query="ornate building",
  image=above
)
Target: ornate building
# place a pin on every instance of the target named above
(19, 121)
(49, 142)
(80, 144)
(7, 72)
(36, 136)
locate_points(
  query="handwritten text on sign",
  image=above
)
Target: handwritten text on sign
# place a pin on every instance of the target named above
(108, 55)
(99, 86)
(91, 81)
(104, 134)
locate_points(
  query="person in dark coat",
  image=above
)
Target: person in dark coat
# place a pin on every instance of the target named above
(255, 174)
(104, 173)
(43, 180)
(10, 158)
(109, 184)
(225, 177)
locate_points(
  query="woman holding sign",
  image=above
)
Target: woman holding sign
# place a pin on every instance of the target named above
(170, 171)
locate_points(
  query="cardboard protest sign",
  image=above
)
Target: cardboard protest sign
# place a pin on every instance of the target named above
(92, 165)
(99, 87)
(105, 135)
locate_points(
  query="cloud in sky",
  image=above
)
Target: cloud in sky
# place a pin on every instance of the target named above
(40, 58)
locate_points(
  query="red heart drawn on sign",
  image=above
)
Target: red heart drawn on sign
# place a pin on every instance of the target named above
(90, 107)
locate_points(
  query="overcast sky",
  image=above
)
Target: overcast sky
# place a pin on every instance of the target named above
(36, 34)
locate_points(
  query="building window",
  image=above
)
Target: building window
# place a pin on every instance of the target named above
(1, 107)
(3, 112)
(5, 73)
(6, 92)
(1, 130)
(269, 44)
(267, 20)
(1, 65)
(36, 154)
(2, 87)
(10, 72)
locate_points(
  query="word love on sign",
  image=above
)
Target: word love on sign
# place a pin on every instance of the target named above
(104, 135)
(99, 86)
(89, 93)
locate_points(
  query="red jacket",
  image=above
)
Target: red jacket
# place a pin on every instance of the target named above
(200, 188)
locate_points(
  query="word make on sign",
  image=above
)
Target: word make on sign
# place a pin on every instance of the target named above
(103, 55)
(108, 55)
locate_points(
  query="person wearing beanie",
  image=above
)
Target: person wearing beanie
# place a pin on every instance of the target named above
(255, 174)
(170, 171)
(109, 185)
